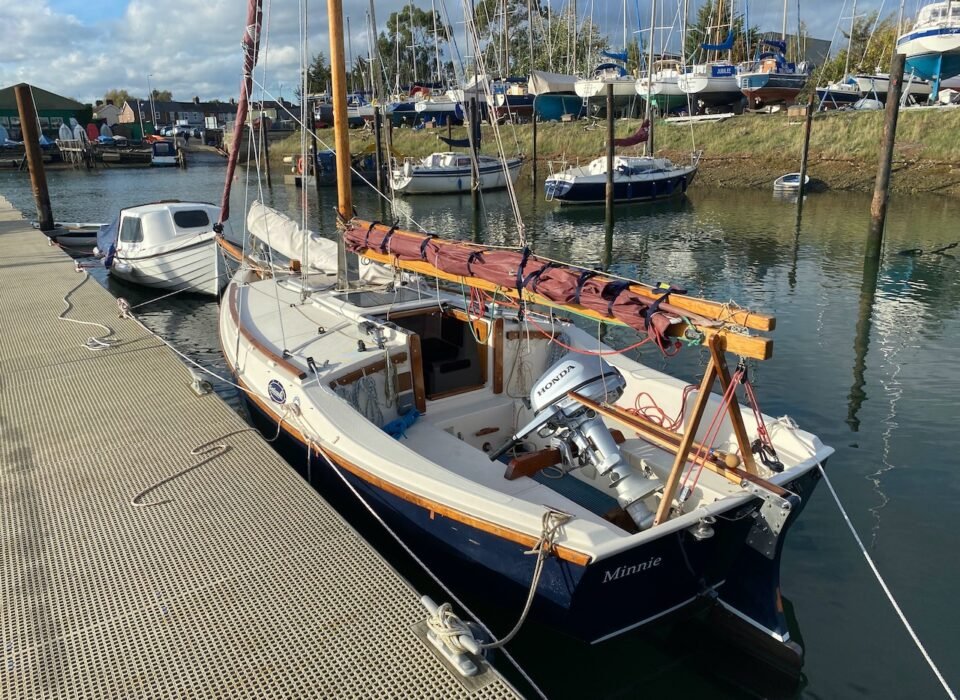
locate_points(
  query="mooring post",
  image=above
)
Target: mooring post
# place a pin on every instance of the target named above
(808, 122)
(878, 208)
(609, 155)
(378, 146)
(31, 144)
(534, 154)
(265, 149)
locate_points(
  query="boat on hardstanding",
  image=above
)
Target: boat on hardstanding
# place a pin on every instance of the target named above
(406, 382)
(932, 46)
(554, 96)
(593, 90)
(876, 85)
(167, 245)
(713, 84)
(450, 173)
(771, 79)
(664, 90)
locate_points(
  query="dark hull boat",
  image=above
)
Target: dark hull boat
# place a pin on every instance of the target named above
(637, 179)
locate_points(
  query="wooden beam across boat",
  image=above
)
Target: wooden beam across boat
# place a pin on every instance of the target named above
(670, 441)
(755, 347)
(683, 303)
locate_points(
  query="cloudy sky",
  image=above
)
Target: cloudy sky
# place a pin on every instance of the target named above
(82, 48)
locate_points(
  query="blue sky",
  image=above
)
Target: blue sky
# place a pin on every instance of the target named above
(81, 48)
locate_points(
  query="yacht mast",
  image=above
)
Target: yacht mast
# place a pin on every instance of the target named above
(649, 116)
(338, 95)
(783, 32)
(375, 67)
(436, 40)
(853, 17)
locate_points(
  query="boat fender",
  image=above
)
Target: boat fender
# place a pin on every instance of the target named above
(300, 165)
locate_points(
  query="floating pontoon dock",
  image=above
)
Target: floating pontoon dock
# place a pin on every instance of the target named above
(233, 579)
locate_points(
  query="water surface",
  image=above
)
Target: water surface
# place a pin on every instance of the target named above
(864, 358)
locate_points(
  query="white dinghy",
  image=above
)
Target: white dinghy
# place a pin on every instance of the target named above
(168, 245)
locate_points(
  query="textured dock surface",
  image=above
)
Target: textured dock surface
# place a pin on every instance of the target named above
(233, 579)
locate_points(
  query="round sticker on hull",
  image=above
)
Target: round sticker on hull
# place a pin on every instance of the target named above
(276, 391)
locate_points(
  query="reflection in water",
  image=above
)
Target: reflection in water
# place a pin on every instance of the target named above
(725, 244)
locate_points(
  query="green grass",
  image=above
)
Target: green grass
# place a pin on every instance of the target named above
(922, 135)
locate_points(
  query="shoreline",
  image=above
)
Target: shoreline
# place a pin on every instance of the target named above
(747, 151)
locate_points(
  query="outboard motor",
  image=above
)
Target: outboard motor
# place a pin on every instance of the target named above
(579, 433)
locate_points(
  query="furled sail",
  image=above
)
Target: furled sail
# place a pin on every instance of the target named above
(251, 49)
(284, 236)
(639, 136)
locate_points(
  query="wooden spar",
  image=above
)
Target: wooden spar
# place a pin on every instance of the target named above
(338, 78)
(686, 442)
(679, 303)
(754, 347)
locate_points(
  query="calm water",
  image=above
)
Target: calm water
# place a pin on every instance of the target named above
(869, 368)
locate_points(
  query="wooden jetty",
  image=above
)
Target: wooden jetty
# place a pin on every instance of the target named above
(132, 567)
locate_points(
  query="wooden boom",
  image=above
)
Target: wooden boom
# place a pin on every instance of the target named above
(755, 347)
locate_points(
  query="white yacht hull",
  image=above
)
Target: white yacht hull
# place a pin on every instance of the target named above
(425, 180)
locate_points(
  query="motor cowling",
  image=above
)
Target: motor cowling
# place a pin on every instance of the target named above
(580, 433)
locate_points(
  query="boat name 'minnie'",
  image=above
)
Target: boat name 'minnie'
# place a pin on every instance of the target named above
(566, 370)
(624, 571)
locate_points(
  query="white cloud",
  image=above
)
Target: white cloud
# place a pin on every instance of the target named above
(193, 48)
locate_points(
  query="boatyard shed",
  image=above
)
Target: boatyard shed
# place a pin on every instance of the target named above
(52, 109)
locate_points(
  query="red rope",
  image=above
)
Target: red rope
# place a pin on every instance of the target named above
(712, 431)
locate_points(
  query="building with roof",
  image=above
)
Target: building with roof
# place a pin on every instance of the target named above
(194, 113)
(52, 111)
(108, 112)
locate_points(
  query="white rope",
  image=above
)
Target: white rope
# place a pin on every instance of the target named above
(886, 589)
(93, 343)
(313, 443)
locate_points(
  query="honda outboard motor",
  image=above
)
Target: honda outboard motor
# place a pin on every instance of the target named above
(580, 433)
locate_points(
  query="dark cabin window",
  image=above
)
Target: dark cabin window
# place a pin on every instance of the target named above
(191, 218)
(130, 231)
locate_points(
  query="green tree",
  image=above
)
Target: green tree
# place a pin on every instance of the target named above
(162, 95)
(318, 75)
(118, 97)
(406, 49)
(871, 45)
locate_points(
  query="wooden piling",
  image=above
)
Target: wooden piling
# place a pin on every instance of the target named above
(609, 192)
(534, 180)
(31, 144)
(474, 133)
(878, 208)
(265, 149)
(807, 124)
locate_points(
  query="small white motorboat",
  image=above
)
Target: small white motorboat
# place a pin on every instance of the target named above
(164, 154)
(77, 238)
(790, 182)
(445, 173)
(168, 245)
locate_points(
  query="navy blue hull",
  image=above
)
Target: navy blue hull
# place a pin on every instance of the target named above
(599, 600)
(623, 191)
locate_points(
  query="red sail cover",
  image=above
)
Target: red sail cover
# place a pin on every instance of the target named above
(516, 270)
(640, 136)
(251, 49)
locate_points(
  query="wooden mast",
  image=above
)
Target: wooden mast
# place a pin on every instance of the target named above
(341, 138)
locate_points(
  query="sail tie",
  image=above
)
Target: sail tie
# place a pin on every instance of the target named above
(474, 256)
(584, 276)
(385, 243)
(423, 246)
(366, 237)
(612, 291)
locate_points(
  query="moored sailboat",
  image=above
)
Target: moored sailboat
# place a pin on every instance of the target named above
(411, 393)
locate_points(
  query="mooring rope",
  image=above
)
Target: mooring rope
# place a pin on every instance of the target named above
(94, 342)
(886, 589)
(313, 443)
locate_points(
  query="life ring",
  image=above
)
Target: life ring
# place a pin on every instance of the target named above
(300, 165)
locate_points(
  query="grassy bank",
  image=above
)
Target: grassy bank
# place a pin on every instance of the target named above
(750, 150)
